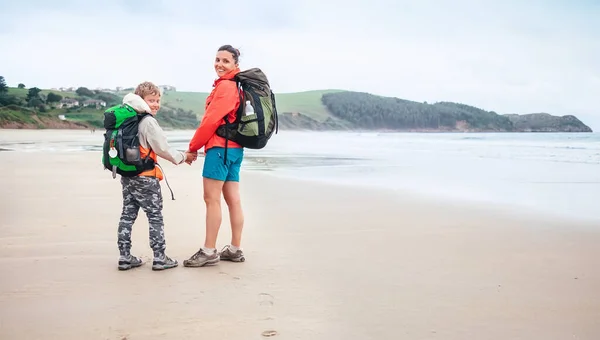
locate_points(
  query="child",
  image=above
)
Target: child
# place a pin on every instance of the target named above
(143, 191)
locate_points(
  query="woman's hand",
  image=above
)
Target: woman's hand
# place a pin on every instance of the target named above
(190, 157)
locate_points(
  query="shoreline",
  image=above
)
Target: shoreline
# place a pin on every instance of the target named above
(470, 203)
(285, 165)
(465, 205)
(287, 129)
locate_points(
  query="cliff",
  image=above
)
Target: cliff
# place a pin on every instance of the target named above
(544, 122)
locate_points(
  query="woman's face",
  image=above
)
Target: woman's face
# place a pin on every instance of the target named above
(224, 63)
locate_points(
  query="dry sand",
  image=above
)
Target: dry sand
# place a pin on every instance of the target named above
(323, 262)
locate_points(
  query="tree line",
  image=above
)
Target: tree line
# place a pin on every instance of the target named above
(37, 102)
(364, 110)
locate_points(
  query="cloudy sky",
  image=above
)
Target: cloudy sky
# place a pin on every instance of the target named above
(509, 56)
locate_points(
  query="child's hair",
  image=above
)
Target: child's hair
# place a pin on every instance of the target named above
(147, 88)
(234, 51)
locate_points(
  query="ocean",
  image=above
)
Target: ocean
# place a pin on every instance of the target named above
(550, 173)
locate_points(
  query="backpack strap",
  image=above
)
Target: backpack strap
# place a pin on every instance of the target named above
(238, 117)
(148, 162)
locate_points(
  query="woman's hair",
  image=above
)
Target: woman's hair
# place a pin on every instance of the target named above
(232, 50)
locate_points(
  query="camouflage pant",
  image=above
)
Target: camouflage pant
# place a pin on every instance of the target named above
(145, 193)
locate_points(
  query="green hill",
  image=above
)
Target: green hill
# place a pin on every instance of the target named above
(22, 93)
(310, 110)
(544, 122)
(370, 112)
(308, 103)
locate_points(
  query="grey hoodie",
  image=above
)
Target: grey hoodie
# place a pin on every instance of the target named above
(151, 134)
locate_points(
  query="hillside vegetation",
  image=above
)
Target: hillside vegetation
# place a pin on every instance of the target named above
(308, 103)
(310, 110)
(374, 112)
(367, 111)
(42, 108)
(544, 122)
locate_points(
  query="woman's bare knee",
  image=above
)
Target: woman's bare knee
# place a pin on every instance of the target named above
(231, 193)
(212, 191)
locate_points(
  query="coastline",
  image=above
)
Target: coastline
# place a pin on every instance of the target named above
(77, 126)
(324, 261)
(483, 170)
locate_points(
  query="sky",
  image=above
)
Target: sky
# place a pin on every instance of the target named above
(507, 56)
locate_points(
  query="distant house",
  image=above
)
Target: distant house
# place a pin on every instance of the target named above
(67, 102)
(165, 88)
(94, 103)
(100, 89)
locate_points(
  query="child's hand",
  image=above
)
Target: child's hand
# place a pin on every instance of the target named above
(190, 157)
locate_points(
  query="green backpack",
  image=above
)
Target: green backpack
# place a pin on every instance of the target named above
(121, 149)
(256, 117)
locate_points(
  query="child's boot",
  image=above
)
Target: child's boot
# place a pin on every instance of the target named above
(162, 261)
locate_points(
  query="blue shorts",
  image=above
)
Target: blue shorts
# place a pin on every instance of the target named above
(215, 168)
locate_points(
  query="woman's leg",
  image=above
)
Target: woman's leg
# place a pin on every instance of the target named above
(214, 175)
(231, 193)
(212, 198)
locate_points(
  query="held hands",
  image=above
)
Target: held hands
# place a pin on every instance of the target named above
(191, 157)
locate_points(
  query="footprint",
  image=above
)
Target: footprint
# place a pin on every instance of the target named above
(265, 299)
(269, 333)
(265, 305)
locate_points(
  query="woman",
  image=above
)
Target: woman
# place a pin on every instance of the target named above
(219, 176)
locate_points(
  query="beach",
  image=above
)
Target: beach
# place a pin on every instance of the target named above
(323, 261)
(330, 262)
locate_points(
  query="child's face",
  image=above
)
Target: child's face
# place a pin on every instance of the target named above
(153, 100)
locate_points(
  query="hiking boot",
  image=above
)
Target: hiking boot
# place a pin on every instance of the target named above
(162, 262)
(129, 261)
(227, 255)
(200, 258)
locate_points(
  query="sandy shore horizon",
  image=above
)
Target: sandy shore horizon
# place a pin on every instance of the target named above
(323, 262)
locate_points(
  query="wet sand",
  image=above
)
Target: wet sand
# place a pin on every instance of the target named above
(323, 262)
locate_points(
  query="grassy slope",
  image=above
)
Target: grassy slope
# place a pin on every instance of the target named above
(86, 115)
(22, 93)
(18, 115)
(308, 103)
(193, 101)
